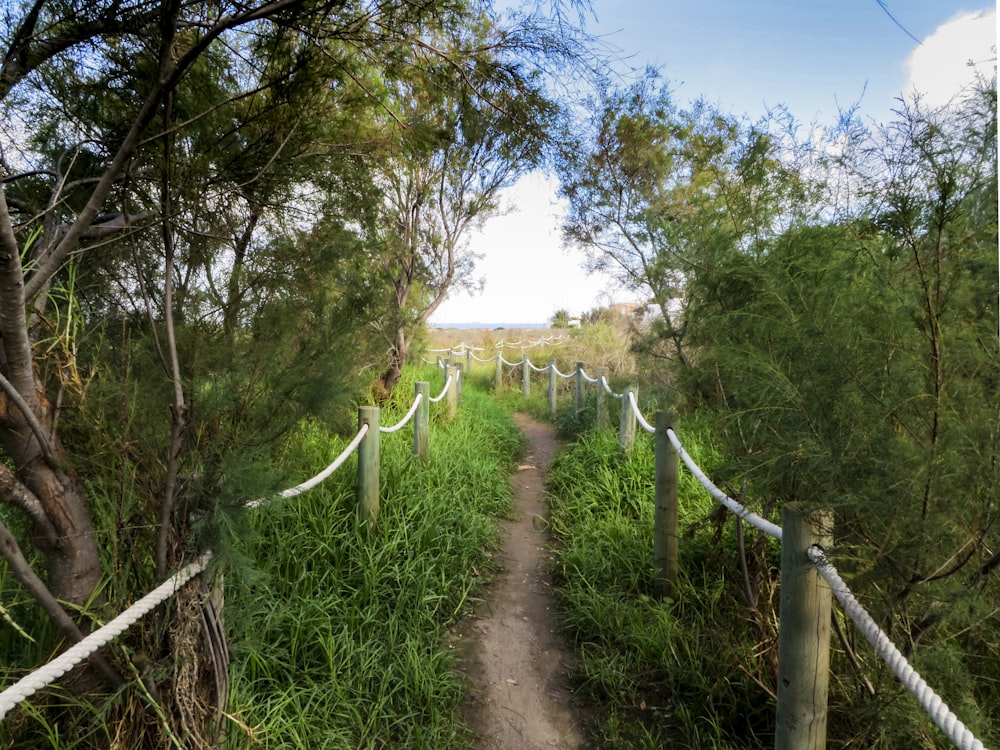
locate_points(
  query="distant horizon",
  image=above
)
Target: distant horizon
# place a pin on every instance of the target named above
(466, 326)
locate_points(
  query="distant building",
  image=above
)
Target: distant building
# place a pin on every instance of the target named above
(631, 309)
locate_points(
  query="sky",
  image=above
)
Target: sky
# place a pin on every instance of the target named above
(814, 57)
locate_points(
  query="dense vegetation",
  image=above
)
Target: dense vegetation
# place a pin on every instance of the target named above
(222, 225)
(827, 317)
(218, 222)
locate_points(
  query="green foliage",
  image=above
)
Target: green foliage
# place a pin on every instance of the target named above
(682, 673)
(338, 635)
(852, 366)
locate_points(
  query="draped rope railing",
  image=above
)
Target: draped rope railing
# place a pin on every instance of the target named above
(936, 708)
(962, 737)
(939, 712)
(45, 675)
(78, 652)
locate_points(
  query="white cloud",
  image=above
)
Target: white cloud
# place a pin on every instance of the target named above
(940, 68)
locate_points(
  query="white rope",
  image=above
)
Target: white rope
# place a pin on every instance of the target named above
(537, 369)
(562, 375)
(638, 414)
(604, 382)
(512, 364)
(310, 483)
(482, 360)
(771, 529)
(444, 390)
(399, 425)
(586, 377)
(46, 675)
(938, 710)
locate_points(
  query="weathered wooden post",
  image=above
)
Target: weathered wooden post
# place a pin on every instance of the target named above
(601, 418)
(459, 381)
(498, 375)
(626, 426)
(368, 464)
(452, 397)
(803, 634)
(665, 518)
(422, 420)
(525, 376)
(552, 386)
(468, 361)
(578, 385)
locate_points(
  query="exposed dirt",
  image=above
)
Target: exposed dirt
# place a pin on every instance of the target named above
(514, 660)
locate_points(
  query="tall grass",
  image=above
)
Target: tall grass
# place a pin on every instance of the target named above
(682, 673)
(337, 636)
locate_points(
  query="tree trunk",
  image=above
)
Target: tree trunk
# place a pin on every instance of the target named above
(67, 541)
(66, 538)
(397, 359)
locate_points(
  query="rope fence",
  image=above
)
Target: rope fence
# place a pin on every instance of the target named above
(799, 726)
(89, 645)
(793, 731)
(365, 443)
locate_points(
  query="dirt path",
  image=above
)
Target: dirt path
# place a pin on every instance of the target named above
(512, 656)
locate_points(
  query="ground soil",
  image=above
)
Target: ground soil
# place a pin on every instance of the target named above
(510, 652)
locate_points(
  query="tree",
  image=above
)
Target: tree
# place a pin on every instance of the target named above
(468, 120)
(852, 365)
(152, 188)
(657, 193)
(561, 318)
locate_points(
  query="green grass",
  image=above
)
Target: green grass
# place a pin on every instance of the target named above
(660, 672)
(337, 638)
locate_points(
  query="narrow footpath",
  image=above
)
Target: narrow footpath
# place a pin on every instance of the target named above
(514, 660)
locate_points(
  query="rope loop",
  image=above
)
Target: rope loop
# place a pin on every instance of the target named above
(409, 415)
(535, 367)
(447, 385)
(638, 414)
(75, 654)
(604, 382)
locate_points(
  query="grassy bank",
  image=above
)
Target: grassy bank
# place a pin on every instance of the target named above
(337, 633)
(683, 673)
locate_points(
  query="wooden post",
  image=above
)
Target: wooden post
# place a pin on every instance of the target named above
(665, 518)
(552, 386)
(498, 375)
(368, 464)
(459, 381)
(578, 395)
(452, 397)
(803, 634)
(422, 420)
(626, 427)
(601, 418)
(468, 361)
(525, 376)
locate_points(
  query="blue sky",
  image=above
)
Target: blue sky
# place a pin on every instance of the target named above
(745, 56)
(809, 55)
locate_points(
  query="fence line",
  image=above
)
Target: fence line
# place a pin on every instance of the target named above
(45, 675)
(937, 709)
(75, 654)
